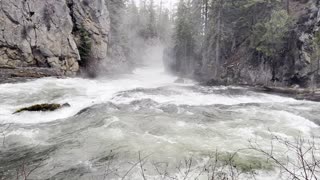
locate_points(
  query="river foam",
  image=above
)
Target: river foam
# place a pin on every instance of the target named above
(144, 112)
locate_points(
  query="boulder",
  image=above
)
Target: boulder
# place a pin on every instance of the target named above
(213, 82)
(180, 81)
(43, 107)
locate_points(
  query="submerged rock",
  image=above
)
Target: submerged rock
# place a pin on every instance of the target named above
(213, 82)
(179, 80)
(43, 107)
(295, 92)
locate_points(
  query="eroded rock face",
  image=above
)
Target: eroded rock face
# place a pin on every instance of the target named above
(37, 33)
(91, 16)
(50, 34)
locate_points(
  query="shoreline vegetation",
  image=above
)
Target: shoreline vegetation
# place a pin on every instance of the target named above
(303, 164)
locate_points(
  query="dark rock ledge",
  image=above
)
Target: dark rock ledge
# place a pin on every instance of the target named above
(13, 75)
(297, 93)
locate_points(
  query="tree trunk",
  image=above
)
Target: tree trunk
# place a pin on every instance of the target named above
(288, 6)
(218, 39)
(318, 60)
(206, 6)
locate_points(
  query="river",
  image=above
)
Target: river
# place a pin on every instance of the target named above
(143, 126)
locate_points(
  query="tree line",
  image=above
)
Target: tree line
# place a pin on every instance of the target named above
(208, 32)
(132, 25)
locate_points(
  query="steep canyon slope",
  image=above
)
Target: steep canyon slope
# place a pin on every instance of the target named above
(54, 37)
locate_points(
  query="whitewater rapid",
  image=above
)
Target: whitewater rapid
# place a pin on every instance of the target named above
(143, 112)
(82, 93)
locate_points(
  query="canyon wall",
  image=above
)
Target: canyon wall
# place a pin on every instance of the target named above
(54, 38)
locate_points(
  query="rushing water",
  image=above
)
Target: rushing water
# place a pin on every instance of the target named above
(111, 122)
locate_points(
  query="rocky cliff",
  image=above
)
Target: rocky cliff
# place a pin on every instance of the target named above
(53, 37)
(296, 65)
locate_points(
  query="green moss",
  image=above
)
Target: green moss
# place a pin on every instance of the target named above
(317, 38)
(246, 164)
(84, 46)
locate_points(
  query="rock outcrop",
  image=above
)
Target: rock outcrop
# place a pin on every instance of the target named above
(61, 35)
(91, 22)
(37, 33)
(42, 107)
(293, 67)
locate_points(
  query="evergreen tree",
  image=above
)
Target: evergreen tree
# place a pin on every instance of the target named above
(270, 37)
(151, 24)
(117, 12)
(198, 21)
(144, 19)
(164, 27)
(315, 60)
(214, 35)
(184, 42)
(132, 28)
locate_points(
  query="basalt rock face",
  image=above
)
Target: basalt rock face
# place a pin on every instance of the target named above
(64, 36)
(37, 33)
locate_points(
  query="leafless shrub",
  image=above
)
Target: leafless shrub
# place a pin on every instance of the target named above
(141, 162)
(110, 161)
(302, 161)
(23, 172)
(218, 166)
(3, 132)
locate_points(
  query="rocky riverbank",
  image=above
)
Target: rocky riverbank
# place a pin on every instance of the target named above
(13, 75)
(297, 93)
(55, 37)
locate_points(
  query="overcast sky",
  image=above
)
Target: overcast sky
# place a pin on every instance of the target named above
(166, 3)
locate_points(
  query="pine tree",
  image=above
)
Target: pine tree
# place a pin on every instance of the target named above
(164, 27)
(117, 11)
(315, 60)
(198, 22)
(270, 37)
(144, 19)
(214, 35)
(184, 42)
(152, 32)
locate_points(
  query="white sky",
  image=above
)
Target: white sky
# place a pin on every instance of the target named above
(165, 3)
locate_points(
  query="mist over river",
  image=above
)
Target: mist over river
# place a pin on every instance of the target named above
(143, 126)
